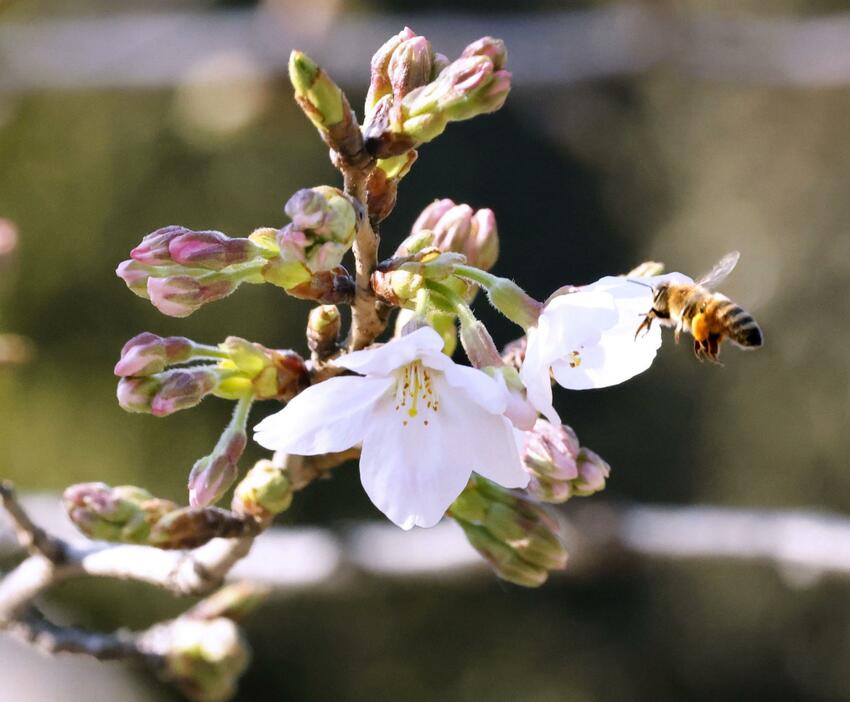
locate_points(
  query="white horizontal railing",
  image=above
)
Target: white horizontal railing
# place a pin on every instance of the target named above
(556, 48)
(600, 537)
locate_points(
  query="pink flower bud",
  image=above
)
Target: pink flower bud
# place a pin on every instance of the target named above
(459, 229)
(180, 295)
(135, 276)
(212, 475)
(551, 451)
(211, 250)
(136, 394)
(410, 66)
(487, 92)
(324, 213)
(307, 209)
(431, 215)
(148, 353)
(452, 230)
(380, 85)
(482, 247)
(153, 250)
(453, 86)
(439, 64)
(592, 473)
(494, 95)
(493, 49)
(181, 389)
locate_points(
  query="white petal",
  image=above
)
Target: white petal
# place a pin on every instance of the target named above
(411, 473)
(477, 439)
(500, 460)
(479, 387)
(392, 355)
(330, 416)
(534, 374)
(575, 317)
(617, 357)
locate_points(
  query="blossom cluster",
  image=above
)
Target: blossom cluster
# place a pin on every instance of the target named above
(479, 442)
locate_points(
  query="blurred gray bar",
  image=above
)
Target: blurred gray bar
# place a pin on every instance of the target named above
(559, 48)
(601, 537)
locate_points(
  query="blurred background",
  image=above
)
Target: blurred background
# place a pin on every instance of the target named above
(674, 131)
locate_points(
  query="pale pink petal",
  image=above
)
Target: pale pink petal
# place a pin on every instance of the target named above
(535, 376)
(330, 416)
(408, 468)
(392, 355)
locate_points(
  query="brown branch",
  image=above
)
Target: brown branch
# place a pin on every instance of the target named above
(366, 324)
(30, 536)
(303, 470)
(35, 629)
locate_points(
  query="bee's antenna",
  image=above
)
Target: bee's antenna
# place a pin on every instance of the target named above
(637, 282)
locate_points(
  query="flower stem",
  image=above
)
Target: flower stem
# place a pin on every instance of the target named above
(204, 352)
(455, 303)
(241, 411)
(476, 340)
(505, 295)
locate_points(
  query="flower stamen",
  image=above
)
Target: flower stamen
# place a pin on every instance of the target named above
(414, 386)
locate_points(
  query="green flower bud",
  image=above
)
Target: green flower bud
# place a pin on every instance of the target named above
(516, 536)
(323, 327)
(397, 287)
(328, 109)
(319, 97)
(123, 514)
(264, 492)
(247, 357)
(504, 560)
(205, 658)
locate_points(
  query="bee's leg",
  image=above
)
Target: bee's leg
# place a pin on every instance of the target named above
(713, 348)
(646, 323)
(677, 332)
(698, 352)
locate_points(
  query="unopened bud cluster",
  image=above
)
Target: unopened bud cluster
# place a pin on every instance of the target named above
(518, 537)
(125, 513)
(129, 514)
(415, 93)
(560, 468)
(324, 222)
(244, 369)
(398, 280)
(180, 270)
(456, 228)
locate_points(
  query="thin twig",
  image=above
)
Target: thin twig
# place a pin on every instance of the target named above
(34, 628)
(30, 536)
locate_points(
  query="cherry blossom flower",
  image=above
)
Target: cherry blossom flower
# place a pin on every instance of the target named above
(425, 424)
(586, 338)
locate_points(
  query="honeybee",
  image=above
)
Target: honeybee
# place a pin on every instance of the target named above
(708, 316)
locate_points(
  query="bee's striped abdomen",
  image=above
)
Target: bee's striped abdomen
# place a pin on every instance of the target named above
(739, 324)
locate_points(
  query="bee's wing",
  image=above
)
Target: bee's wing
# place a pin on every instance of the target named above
(721, 269)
